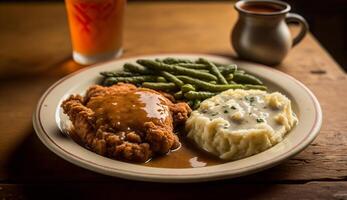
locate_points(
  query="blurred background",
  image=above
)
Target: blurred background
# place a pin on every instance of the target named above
(328, 23)
(327, 20)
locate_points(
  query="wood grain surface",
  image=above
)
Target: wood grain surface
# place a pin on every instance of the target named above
(35, 52)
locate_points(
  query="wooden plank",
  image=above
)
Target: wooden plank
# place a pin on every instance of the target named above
(164, 27)
(135, 190)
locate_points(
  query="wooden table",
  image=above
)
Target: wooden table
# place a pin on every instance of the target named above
(35, 52)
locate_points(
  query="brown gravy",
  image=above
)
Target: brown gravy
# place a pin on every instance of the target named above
(127, 111)
(262, 8)
(187, 156)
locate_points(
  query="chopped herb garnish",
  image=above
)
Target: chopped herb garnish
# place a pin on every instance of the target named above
(214, 114)
(250, 99)
(259, 120)
(225, 126)
(233, 107)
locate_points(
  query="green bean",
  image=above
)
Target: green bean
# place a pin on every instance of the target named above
(193, 65)
(196, 104)
(239, 72)
(203, 70)
(229, 77)
(178, 95)
(227, 69)
(160, 86)
(255, 87)
(115, 74)
(174, 68)
(137, 69)
(199, 61)
(208, 86)
(172, 78)
(187, 87)
(213, 82)
(198, 70)
(161, 79)
(219, 65)
(219, 88)
(170, 60)
(246, 79)
(214, 70)
(135, 79)
(228, 66)
(192, 95)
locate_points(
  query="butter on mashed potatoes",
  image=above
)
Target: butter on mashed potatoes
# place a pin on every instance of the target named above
(239, 123)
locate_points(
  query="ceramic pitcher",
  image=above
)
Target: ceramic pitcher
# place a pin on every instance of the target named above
(261, 33)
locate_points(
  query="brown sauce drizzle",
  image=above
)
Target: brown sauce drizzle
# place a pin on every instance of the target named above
(187, 156)
(127, 111)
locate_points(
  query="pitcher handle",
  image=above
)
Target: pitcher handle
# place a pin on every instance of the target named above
(295, 18)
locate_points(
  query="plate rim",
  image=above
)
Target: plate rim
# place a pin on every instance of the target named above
(182, 177)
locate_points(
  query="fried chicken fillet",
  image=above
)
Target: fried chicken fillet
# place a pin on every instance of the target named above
(125, 122)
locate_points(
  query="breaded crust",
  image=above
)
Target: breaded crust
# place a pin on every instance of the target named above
(135, 146)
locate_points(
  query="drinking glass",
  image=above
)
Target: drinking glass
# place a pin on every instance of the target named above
(96, 28)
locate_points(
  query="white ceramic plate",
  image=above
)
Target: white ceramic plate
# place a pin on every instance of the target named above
(48, 117)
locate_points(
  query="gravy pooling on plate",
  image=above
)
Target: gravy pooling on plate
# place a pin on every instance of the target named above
(187, 156)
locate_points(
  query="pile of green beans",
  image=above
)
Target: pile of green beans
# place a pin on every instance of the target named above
(186, 80)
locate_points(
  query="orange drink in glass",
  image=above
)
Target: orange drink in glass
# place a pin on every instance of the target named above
(96, 28)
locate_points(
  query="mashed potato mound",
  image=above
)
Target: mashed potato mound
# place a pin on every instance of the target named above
(239, 123)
